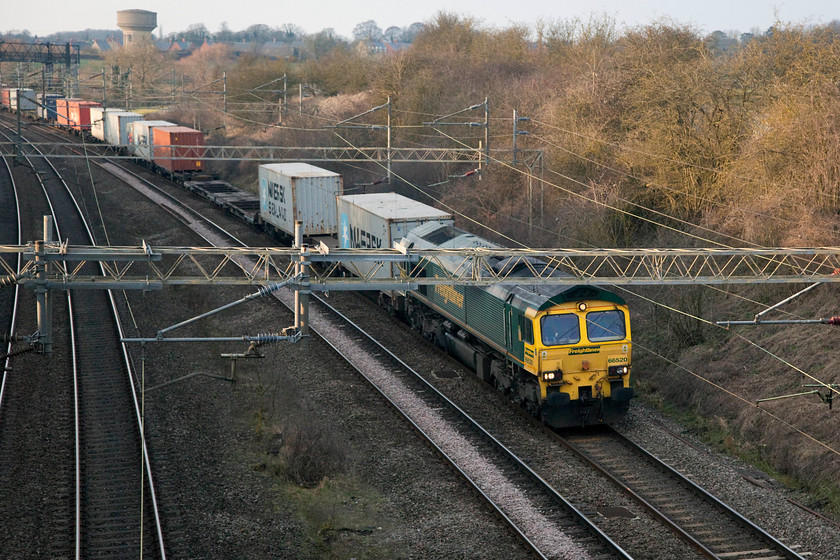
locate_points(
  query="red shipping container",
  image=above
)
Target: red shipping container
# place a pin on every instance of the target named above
(78, 113)
(178, 142)
(4, 100)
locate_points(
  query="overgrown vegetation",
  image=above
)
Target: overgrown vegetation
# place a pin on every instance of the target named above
(652, 136)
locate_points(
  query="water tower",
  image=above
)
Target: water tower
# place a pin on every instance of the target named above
(136, 25)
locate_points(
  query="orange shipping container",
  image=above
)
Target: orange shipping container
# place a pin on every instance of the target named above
(178, 142)
(61, 110)
(78, 113)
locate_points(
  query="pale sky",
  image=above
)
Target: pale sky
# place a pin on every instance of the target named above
(48, 16)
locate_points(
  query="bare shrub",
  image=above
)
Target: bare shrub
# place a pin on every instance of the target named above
(311, 453)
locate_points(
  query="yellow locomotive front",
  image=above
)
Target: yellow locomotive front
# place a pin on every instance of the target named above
(581, 353)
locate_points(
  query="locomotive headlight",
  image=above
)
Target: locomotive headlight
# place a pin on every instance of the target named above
(619, 370)
(582, 306)
(551, 375)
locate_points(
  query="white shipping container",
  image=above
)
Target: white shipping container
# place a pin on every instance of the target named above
(97, 122)
(379, 220)
(141, 138)
(299, 191)
(98, 119)
(116, 126)
(27, 99)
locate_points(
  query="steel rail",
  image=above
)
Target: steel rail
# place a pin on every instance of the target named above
(16, 297)
(129, 372)
(74, 359)
(703, 546)
(614, 550)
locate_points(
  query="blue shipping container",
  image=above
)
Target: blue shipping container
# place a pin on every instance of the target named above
(46, 106)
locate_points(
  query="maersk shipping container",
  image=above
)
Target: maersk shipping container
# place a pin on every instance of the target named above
(178, 148)
(299, 191)
(25, 96)
(141, 138)
(116, 126)
(378, 220)
(46, 106)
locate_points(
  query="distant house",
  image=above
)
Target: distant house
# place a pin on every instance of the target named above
(181, 46)
(372, 47)
(104, 46)
(287, 50)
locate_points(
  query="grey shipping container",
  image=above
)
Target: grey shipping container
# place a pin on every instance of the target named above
(141, 138)
(377, 221)
(116, 126)
(299, 191)
(26, 97)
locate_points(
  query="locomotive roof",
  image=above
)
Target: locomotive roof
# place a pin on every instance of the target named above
(442, 236)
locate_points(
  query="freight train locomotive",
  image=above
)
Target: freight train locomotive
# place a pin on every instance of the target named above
(562, 353)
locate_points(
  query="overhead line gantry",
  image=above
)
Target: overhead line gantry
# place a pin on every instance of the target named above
(51, 265)
(149, 267)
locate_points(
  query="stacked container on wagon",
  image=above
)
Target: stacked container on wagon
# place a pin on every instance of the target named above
(299, 191)
(76, 113)
(97, 122)
(47, 106)
(377, 221)
(141, 138)
(117, 126)
(177, 148)
(24, 97)
(62, 111)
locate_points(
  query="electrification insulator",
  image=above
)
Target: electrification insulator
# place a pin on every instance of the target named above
(265, 290)
(8, 281)
(833, 321)
(267, 338)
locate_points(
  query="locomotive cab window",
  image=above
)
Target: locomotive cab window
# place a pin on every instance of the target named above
(526, 330)
(560, 329)
(603, 326)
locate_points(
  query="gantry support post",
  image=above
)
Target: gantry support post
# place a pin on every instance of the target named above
(302, 292)
(42, 294)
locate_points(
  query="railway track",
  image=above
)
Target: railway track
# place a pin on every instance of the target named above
(726, 547)
(115, 510)
(549, 525)
(37, 445)
(10, 232)
(708, 525)
(544, 520)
